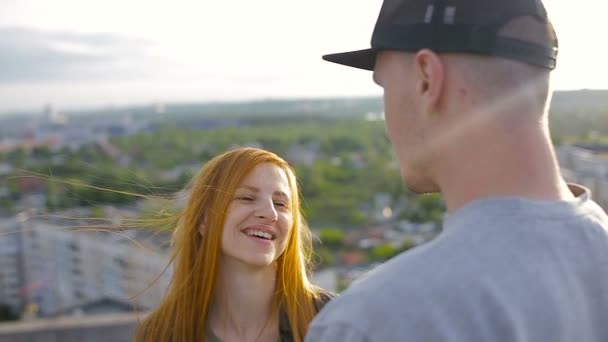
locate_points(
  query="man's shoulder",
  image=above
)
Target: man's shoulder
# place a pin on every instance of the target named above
(389, 305)
(407, 296)
(426, 271)
(384, 289)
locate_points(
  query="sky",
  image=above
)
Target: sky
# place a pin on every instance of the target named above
(76, 54)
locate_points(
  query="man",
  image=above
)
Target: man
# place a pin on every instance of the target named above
(523, 256)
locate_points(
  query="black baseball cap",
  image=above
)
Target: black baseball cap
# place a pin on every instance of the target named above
(453, 26)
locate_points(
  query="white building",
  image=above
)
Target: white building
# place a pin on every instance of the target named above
(10, 268)
(585, 168)
(54, 267)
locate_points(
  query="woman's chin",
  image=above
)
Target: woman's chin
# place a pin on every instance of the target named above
(259, 261)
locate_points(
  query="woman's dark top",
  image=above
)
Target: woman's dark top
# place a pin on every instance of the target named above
(285, 334)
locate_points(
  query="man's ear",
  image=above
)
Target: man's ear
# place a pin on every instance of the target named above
(430, 72)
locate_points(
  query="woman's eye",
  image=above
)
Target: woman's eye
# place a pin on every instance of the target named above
(245, 198)
(281, 204)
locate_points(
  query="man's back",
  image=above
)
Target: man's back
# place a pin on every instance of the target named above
(504, 269)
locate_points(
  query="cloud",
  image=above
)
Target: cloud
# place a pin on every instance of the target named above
(28, 55)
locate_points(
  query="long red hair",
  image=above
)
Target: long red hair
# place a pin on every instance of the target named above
(182, 314)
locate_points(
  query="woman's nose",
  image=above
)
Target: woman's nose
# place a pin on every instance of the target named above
(267, 211)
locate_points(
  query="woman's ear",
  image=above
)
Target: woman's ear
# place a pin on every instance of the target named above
(203, 226)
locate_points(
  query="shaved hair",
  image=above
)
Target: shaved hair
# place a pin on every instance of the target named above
(519, 82)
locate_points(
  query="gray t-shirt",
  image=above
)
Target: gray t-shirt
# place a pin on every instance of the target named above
(503, 269)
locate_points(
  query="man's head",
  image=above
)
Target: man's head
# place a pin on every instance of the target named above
(450, 67)
(453, 26)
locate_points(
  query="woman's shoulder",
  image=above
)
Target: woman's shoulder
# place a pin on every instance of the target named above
(323, 297)
(320, 298)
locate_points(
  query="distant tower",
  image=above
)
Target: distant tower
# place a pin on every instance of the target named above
(53, 116)
(160, 108)
(49, 111)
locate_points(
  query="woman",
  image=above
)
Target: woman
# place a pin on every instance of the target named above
(241, 254)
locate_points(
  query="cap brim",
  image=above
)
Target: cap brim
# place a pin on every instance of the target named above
(361, 59)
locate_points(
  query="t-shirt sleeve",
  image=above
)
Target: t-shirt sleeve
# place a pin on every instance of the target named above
(335, 333)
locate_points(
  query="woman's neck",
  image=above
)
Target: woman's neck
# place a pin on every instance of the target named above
(242, 308)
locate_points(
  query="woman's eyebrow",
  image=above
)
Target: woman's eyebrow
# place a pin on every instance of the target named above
(254, 189)
(249, 187)
(281, 194)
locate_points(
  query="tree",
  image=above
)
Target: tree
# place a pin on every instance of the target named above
(98, 212)
(383, 252)
(425, 208)
(325, 257)
(7, 313)
(406, 245)
(7, 204)
(331, 237)
(41, 152)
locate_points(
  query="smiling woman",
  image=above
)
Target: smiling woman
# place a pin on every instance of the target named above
(241, 257)
(258, 220)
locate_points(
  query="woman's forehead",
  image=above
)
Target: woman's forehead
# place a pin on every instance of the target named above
(268, 178)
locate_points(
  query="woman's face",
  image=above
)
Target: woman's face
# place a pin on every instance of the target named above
(259, 218)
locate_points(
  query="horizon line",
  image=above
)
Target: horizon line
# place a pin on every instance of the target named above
(151, 103)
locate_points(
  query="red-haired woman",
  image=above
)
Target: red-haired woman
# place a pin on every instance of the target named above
(241, 257)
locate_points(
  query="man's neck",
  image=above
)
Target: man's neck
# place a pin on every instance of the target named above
(499, 164)
(243, 301)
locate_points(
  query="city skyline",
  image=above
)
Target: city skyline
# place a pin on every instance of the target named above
(73, 54)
